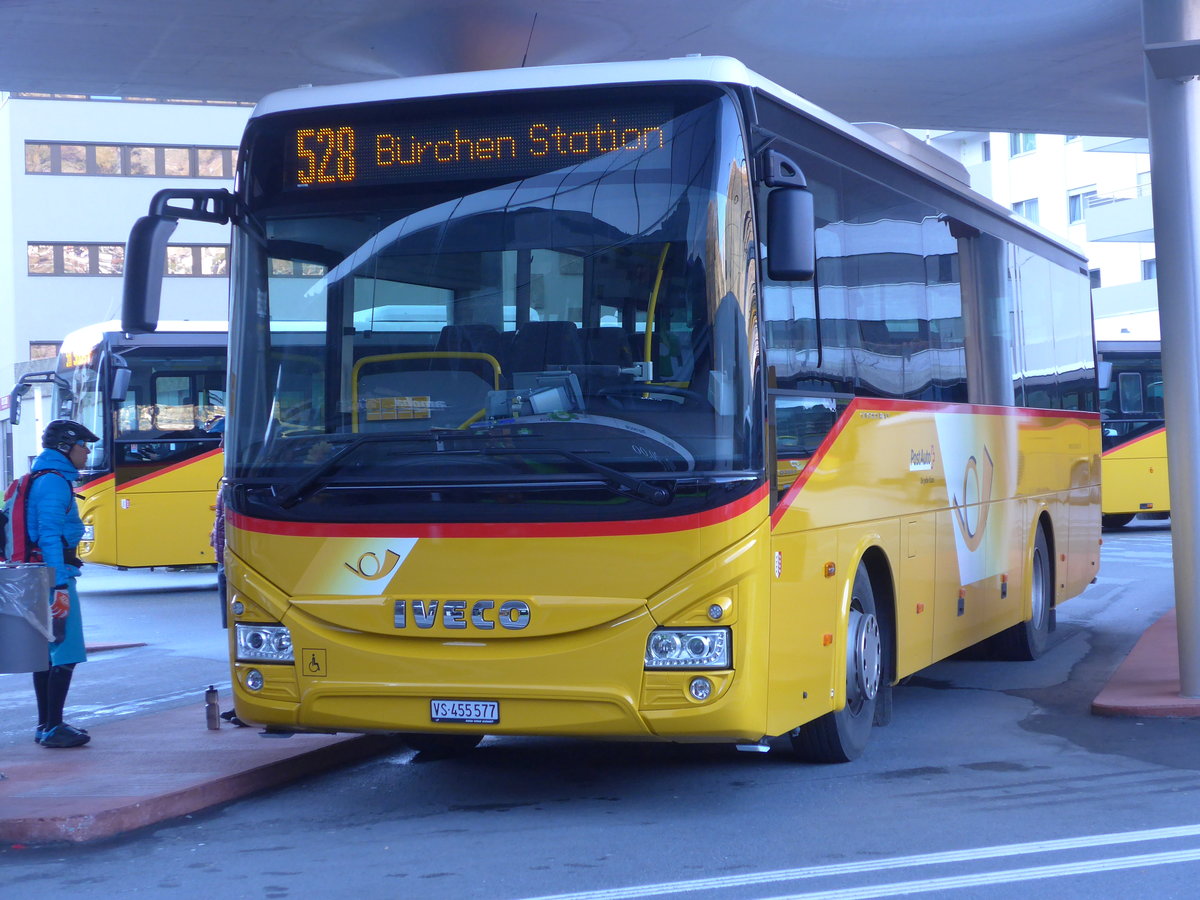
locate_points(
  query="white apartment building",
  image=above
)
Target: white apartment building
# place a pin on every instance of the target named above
(75, 173)
(1093, 192)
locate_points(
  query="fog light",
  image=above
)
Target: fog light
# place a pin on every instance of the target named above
(254, 680)
(89, 533)
(700, 688)
(238, 607)
(715, 612)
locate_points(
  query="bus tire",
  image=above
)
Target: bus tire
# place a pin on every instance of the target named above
(1028, 640)
(1116, 520)
(441, 746)
(841, 735)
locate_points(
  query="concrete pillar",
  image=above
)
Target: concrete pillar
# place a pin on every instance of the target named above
(1171, 33)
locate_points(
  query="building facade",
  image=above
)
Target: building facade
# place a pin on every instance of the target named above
(75, 173)
(1093, 192)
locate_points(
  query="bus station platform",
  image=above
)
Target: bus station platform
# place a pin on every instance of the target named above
(144, 770)
(147, 769)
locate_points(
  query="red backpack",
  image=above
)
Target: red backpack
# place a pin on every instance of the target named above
(15, 544)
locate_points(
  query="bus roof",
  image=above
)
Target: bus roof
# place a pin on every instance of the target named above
(885, 140)
(1138, 326)
(85, 338)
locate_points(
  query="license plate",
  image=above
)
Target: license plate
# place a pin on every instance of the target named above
(469, 712)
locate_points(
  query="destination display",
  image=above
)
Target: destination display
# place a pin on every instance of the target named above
(348, 154)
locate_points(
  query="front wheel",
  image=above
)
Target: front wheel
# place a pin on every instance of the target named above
(841, 736)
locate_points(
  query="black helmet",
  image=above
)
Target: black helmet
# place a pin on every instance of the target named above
(63, 434)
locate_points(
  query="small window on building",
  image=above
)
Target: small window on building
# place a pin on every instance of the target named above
(1077, 203)
(41, 259)
(77, 259)
(177, 161)
(214, 261)
(1027, 208)
(108, 160)
(73, 159)
(179, 261)
(210, 162)
(1149, 269)
(44, 349)
(1094, 278)
(111, 258)
(1021, 142)
(987, 151)
(37, 158)
(142, 161)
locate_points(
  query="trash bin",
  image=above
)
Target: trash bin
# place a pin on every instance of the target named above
(25, 627)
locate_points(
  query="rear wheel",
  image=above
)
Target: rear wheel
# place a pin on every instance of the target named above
(1116, 520)
(841, 736)
(441, 746)
(1028, 640)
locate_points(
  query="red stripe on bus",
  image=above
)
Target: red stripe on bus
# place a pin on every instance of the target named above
(172, 468)
(499, 529)
(814, 461)
(1137, 440)
(976, 409)
(95, 484)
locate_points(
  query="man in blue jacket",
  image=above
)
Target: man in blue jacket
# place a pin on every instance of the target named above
(54, 525)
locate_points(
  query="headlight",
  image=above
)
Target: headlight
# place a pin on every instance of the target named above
(264, 643)
(688, 648)
(89, 533)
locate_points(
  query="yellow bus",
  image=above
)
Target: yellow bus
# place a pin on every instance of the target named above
(157, 401)
(635, 401)
(1133, 467)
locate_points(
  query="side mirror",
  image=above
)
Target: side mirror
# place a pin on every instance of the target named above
(120, 385)
(791, 235)
(24, 383)
(146, 252)
(14, 404)
(791, 222)
(145, 259)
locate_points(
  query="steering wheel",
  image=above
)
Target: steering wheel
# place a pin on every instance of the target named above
(635, 391)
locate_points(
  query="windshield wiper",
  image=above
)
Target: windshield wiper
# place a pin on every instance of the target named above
(293, 494)
(619, 482)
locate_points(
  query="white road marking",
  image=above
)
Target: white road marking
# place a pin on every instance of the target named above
(924, 859)
(1005, 876)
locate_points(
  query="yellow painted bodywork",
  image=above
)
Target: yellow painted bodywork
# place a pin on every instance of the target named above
(781, 578)
(162, 520)
(1135, 476)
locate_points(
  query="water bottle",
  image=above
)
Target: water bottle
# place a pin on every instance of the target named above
(212, 710)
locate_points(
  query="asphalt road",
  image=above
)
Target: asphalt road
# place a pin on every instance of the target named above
(993, 781)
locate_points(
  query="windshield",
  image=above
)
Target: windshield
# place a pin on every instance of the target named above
(160, 410)
(1131, 395)
(569, 335)
(79, 398)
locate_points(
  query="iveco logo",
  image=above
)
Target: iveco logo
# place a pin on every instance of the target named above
(484, 615)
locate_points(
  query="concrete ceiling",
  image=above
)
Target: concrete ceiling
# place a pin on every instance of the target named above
(1066, 66)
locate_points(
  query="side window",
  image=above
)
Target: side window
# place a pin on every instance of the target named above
(1129, 386)
(884, 314)
(173, 404)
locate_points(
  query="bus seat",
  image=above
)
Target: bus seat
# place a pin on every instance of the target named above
(606, 347)
(539, 346)
(474, 337)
